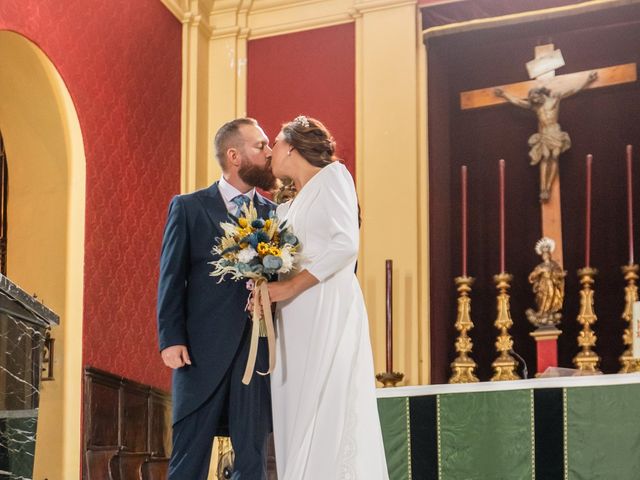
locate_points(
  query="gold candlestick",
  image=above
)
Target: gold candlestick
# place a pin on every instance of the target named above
(629, 364)
(389, 379)
(504, 366)
(463, 366)
(225, 457)
(587, 360)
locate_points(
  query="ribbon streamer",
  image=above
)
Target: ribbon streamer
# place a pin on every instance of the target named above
(261, 302)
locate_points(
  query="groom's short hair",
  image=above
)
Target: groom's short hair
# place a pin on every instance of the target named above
(228, 136)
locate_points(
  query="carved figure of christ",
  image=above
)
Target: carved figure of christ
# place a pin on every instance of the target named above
(542, 95)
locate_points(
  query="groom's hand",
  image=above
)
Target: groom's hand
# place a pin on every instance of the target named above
(175, 356)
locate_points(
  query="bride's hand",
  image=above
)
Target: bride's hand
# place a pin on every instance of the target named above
(280, 291)
(286, 289)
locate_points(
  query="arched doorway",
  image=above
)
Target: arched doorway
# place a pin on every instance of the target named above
(45, 154)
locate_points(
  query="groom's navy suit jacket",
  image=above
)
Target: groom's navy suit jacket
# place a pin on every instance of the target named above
(193, 308)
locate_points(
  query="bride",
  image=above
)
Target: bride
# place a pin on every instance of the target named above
(325, 415)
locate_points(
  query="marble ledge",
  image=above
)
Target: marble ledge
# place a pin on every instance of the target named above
(42, 313)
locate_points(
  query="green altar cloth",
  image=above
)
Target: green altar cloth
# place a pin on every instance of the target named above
(572, 428)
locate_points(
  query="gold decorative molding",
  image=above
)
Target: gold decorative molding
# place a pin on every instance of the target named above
(364, 6)
(422, 179)
(266, 18)
(181, 9)
(190, 34)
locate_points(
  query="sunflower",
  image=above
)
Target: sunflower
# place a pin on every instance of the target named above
(263, 248)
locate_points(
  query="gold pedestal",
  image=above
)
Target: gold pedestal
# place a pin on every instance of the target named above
(629, 364)
(587, 360)
(542, 334)
(224, 458)
(505, 365)
(463, 366)
(389, 379)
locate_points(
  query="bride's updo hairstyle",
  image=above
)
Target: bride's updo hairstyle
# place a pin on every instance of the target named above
(311, 139)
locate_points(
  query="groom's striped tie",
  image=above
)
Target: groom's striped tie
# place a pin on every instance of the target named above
(239, 201)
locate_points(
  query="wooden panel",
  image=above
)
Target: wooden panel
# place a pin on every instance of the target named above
(155, 469)
(127, 466)
(484, 97)
(159, 425)
(97, 464)
(125, 425)
(101, 412)
(134, 417)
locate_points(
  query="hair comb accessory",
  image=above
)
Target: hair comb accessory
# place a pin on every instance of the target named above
(301, 120)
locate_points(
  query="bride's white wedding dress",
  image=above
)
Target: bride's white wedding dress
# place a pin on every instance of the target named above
(325, 415)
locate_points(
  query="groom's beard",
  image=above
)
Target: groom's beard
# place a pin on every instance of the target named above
(261, 177)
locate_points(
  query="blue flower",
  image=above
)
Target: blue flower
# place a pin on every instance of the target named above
(257, 268)
(244, 268)
(255, 238)
(257, 223)
(288, 238)
(271, 263)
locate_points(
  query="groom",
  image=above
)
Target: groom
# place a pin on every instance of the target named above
(202, 324)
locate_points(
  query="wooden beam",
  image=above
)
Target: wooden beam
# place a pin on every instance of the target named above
(607, 76)
(552, 220)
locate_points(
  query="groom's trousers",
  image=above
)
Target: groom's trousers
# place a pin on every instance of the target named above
(249, 423)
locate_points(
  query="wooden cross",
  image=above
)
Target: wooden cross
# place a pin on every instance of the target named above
(542, 70)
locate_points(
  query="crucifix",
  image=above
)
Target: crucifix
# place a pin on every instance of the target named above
(542, 71)
(542, 94)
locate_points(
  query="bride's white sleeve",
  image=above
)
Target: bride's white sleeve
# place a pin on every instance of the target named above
(335, 216)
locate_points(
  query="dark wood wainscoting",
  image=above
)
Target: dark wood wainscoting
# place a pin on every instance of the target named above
(127, 429)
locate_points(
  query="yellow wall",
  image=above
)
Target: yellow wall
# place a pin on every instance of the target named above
(390, 179)
(390, 140)
(46, 231)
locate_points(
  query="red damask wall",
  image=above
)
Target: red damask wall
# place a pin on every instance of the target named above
(121, 61)
(312, 73)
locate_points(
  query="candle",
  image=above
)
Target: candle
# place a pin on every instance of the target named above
(587, 247)
(502, 262)
(630, 202)
(463, 179)
(389, 314)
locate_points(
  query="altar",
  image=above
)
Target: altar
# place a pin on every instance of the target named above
(24, 324)
(580, 427)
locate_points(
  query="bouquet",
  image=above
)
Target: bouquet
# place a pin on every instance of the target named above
(254, 248)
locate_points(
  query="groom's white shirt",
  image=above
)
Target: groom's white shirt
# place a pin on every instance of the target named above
(229, 192)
